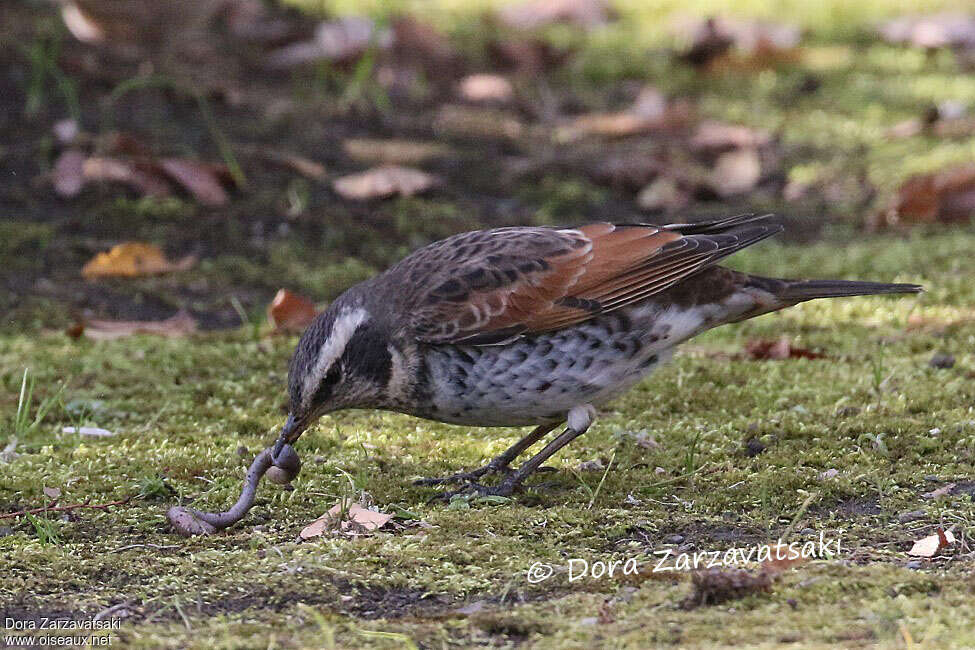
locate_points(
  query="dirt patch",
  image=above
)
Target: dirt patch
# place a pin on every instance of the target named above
(696, 535)
(850, 509)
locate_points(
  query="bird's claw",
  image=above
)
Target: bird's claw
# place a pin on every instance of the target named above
(465, 477)
(473, 490)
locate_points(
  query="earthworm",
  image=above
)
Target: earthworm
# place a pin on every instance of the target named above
(189, 522)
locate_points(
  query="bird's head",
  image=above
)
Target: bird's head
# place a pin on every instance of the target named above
(343, 360)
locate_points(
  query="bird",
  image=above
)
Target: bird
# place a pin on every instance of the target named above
(531, 326)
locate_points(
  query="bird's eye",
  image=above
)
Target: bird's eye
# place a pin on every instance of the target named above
(328, 383)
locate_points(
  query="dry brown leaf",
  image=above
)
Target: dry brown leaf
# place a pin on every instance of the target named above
(475, 122)
(290, 311)
(538, 13)
(774, 566)
(930, 545)
(394, 151)
(715, 137)
(650, 112)
(946, 196)
(735, 172)
(199, 179)
(69, 173)
(384, 182)
(777, 349)
(486, 88)
(942, 491)
(133, 259)
(304, 166)
(117, 170)
(180, 324)
(357, 520)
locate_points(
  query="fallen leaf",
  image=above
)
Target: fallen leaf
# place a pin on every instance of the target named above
(394, 151)
(476, 122)
(715, 137)
(145, 181)
(735, 172)
(357, 520)
(291, 312)
(75, 330)
(384, 182)
(945, 29)
(774, 566)
(539, 13)
(305, 166)
(341, 40)
(69, 173)
(51, 492)
(663, 194)
(777, 349)
(930, 545)
(650, 112)
(199, 179)
(132, 259)
(180, 324)
(946, 196)
(414, 41)
(66, 130)
(942, 491)
(486, 88)
(89, 432)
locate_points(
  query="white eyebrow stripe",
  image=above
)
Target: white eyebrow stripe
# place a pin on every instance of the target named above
(346, 323)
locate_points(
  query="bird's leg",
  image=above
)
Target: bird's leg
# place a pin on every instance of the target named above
(498, 464)
(580, 418)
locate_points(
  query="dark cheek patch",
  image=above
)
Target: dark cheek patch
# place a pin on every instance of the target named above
(366, 355)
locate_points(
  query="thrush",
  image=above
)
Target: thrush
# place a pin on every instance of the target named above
(532, 326)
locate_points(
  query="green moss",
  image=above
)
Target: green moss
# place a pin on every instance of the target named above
(22, 244)
(181, 409)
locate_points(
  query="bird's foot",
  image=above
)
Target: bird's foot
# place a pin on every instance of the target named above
(466, 477)
(476, 490)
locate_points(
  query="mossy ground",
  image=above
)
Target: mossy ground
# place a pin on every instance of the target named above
(874, 410)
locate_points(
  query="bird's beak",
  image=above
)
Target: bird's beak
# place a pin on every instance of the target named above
(289, 433)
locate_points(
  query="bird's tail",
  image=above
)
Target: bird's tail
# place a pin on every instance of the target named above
(795, 291)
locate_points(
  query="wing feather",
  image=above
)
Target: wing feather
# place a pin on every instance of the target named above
(488, 286)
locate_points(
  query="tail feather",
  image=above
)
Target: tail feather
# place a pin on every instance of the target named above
(802, 290)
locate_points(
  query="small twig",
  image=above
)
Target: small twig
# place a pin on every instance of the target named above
(798, 515)
(53, 507)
